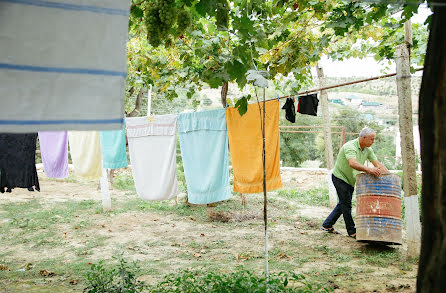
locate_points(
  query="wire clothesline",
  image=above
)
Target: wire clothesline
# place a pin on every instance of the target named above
(336, 85)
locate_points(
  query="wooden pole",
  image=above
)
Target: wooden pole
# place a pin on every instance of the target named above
(342, 137)
(403, 79)
(327, 134)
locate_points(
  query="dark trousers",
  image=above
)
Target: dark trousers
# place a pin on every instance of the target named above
(344, 206)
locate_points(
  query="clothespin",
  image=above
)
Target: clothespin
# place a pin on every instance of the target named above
(151, 118)
(278, 98)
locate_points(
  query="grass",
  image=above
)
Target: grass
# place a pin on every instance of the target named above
(316, 197)
(37, 227)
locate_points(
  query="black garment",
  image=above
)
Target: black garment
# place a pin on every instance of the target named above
(308, 104)
(344, 206)
(290, 110)
(18, 161)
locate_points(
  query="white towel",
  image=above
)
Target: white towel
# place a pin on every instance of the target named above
(152, 150)
(62, 65)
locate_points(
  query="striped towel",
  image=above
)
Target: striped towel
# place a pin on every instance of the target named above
(62, 65)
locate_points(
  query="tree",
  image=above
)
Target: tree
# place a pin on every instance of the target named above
(433, 155)
(220, 45)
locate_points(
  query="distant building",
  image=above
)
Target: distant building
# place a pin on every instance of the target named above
(352, 100)
(337, 101)
(368, 104)
(367, 116)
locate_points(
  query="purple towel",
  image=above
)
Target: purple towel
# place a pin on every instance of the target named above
(54, 151)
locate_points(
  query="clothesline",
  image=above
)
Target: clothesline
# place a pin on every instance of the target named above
(338, 85)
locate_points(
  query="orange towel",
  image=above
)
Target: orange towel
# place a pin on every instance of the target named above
(245, 145)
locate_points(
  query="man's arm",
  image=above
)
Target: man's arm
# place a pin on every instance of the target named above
(353, 163)
(381, 166)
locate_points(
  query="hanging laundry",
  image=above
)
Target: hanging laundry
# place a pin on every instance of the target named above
(54, 153)
(204, 150)
(63, 64)
(18, 161)
(308, 104)
(245, 145)
(85, 150)
(290, 110)
(113, 149)
(152, 150)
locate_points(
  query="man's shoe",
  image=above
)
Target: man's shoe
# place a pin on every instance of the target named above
(329, 230)
(352, 235)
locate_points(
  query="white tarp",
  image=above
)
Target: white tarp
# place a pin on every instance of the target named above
(62, 65)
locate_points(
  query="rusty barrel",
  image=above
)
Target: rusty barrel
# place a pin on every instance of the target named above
(378, 208)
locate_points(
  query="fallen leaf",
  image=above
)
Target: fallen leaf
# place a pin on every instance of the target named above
(4, 268)
(76, 228)
(45, 273)
(197, 255)
(103, 226)
(74, 282)
(28, 266)
(202, 234)
(109, 230)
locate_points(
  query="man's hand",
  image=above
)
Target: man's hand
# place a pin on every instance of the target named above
(381, 167)
(374, 171)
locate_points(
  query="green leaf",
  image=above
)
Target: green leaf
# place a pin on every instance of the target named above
(242, 105)
(136, 11)
(258, 76)
(236, 70)
(206, 6)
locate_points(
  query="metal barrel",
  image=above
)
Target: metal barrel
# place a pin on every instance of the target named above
(378, 208)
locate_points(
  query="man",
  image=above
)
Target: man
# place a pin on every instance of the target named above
(350, 161)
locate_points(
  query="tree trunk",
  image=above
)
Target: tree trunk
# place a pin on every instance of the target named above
(224, 93)
(137, 108)
(432, 267)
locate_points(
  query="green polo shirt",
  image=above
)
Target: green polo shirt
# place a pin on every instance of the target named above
(351, 150)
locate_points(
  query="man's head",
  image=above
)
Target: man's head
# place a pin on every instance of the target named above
(366, 137)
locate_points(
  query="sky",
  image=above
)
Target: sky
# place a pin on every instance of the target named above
(366, 67)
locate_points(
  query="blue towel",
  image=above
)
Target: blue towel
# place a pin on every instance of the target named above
(113, 149)
(204, 149)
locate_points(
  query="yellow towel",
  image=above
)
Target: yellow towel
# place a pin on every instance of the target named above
(85, 150)
(245, 145)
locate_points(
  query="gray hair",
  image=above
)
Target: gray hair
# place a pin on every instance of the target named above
(366, 132)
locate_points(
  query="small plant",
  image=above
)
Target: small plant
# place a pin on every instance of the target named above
(119, 279)
(124, 182)
(240, 281)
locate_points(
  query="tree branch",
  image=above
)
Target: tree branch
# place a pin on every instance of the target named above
(137, 108)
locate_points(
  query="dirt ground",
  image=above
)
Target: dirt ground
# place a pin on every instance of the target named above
(62, 230)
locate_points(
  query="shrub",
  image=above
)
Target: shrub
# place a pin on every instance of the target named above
(121, 278)
(236, 282)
